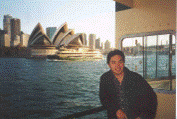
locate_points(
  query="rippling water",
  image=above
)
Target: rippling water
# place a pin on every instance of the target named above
(40, 89)
(37, 89)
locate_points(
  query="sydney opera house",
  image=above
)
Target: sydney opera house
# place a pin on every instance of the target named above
(64, 43)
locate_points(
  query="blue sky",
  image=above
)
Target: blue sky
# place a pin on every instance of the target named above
(84, 16)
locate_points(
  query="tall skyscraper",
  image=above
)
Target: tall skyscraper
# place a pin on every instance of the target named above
(92, 38)
(7, 24)
(97, 43)
(85, 39)
(107, 45)
(4, 39)
(15, 31)
(24, 39)
(101, 48)
(50, 31)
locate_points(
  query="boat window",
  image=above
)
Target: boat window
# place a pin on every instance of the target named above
(133, 48)
(173, 55)
(150, 57)
(153, 56)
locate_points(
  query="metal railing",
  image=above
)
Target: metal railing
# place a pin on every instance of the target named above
(83, 113)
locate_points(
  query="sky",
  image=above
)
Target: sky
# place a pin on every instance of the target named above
(83, 16)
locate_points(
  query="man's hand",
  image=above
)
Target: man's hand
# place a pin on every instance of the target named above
(120, 114)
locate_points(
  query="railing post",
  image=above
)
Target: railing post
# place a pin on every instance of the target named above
(157, 50)
(170, 60)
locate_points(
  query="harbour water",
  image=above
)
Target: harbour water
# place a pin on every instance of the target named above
(40, 89)
(32, 88)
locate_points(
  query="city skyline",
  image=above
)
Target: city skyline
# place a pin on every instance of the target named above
(90, 17)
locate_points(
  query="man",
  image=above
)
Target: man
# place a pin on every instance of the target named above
(125, 94)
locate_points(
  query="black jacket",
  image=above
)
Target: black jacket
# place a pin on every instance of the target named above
(139, 98)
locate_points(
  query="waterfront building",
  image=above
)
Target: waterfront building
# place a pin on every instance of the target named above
(65, 37)
(72, 46)
(64, 43)
(62, 33)
(74, 41)
(85, 39)
(101, 48)
(92, 38)
(15, 31)
(7, 24)
(97, 43)
(4, 39)
(24, 39)
(107, 45)
(16, 40)
(39, 44)
(50, 31)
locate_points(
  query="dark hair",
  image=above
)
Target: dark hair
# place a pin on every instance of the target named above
(115, 52)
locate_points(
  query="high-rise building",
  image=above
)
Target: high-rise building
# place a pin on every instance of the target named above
(24, 39)
(97, 43)
(51, 31)
(7, 24)
(15, 31)
(92, 38)
(4, 39)
(101, 48)
(85, 39)
(107, 45)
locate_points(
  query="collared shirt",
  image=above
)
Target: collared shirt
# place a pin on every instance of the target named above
(120, 93)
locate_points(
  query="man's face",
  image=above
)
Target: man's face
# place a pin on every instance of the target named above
(116, 64)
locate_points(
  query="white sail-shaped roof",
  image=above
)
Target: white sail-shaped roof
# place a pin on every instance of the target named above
(66, 35)
(59, 34)
(76, 39)
(62, 36)
(38, 37)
